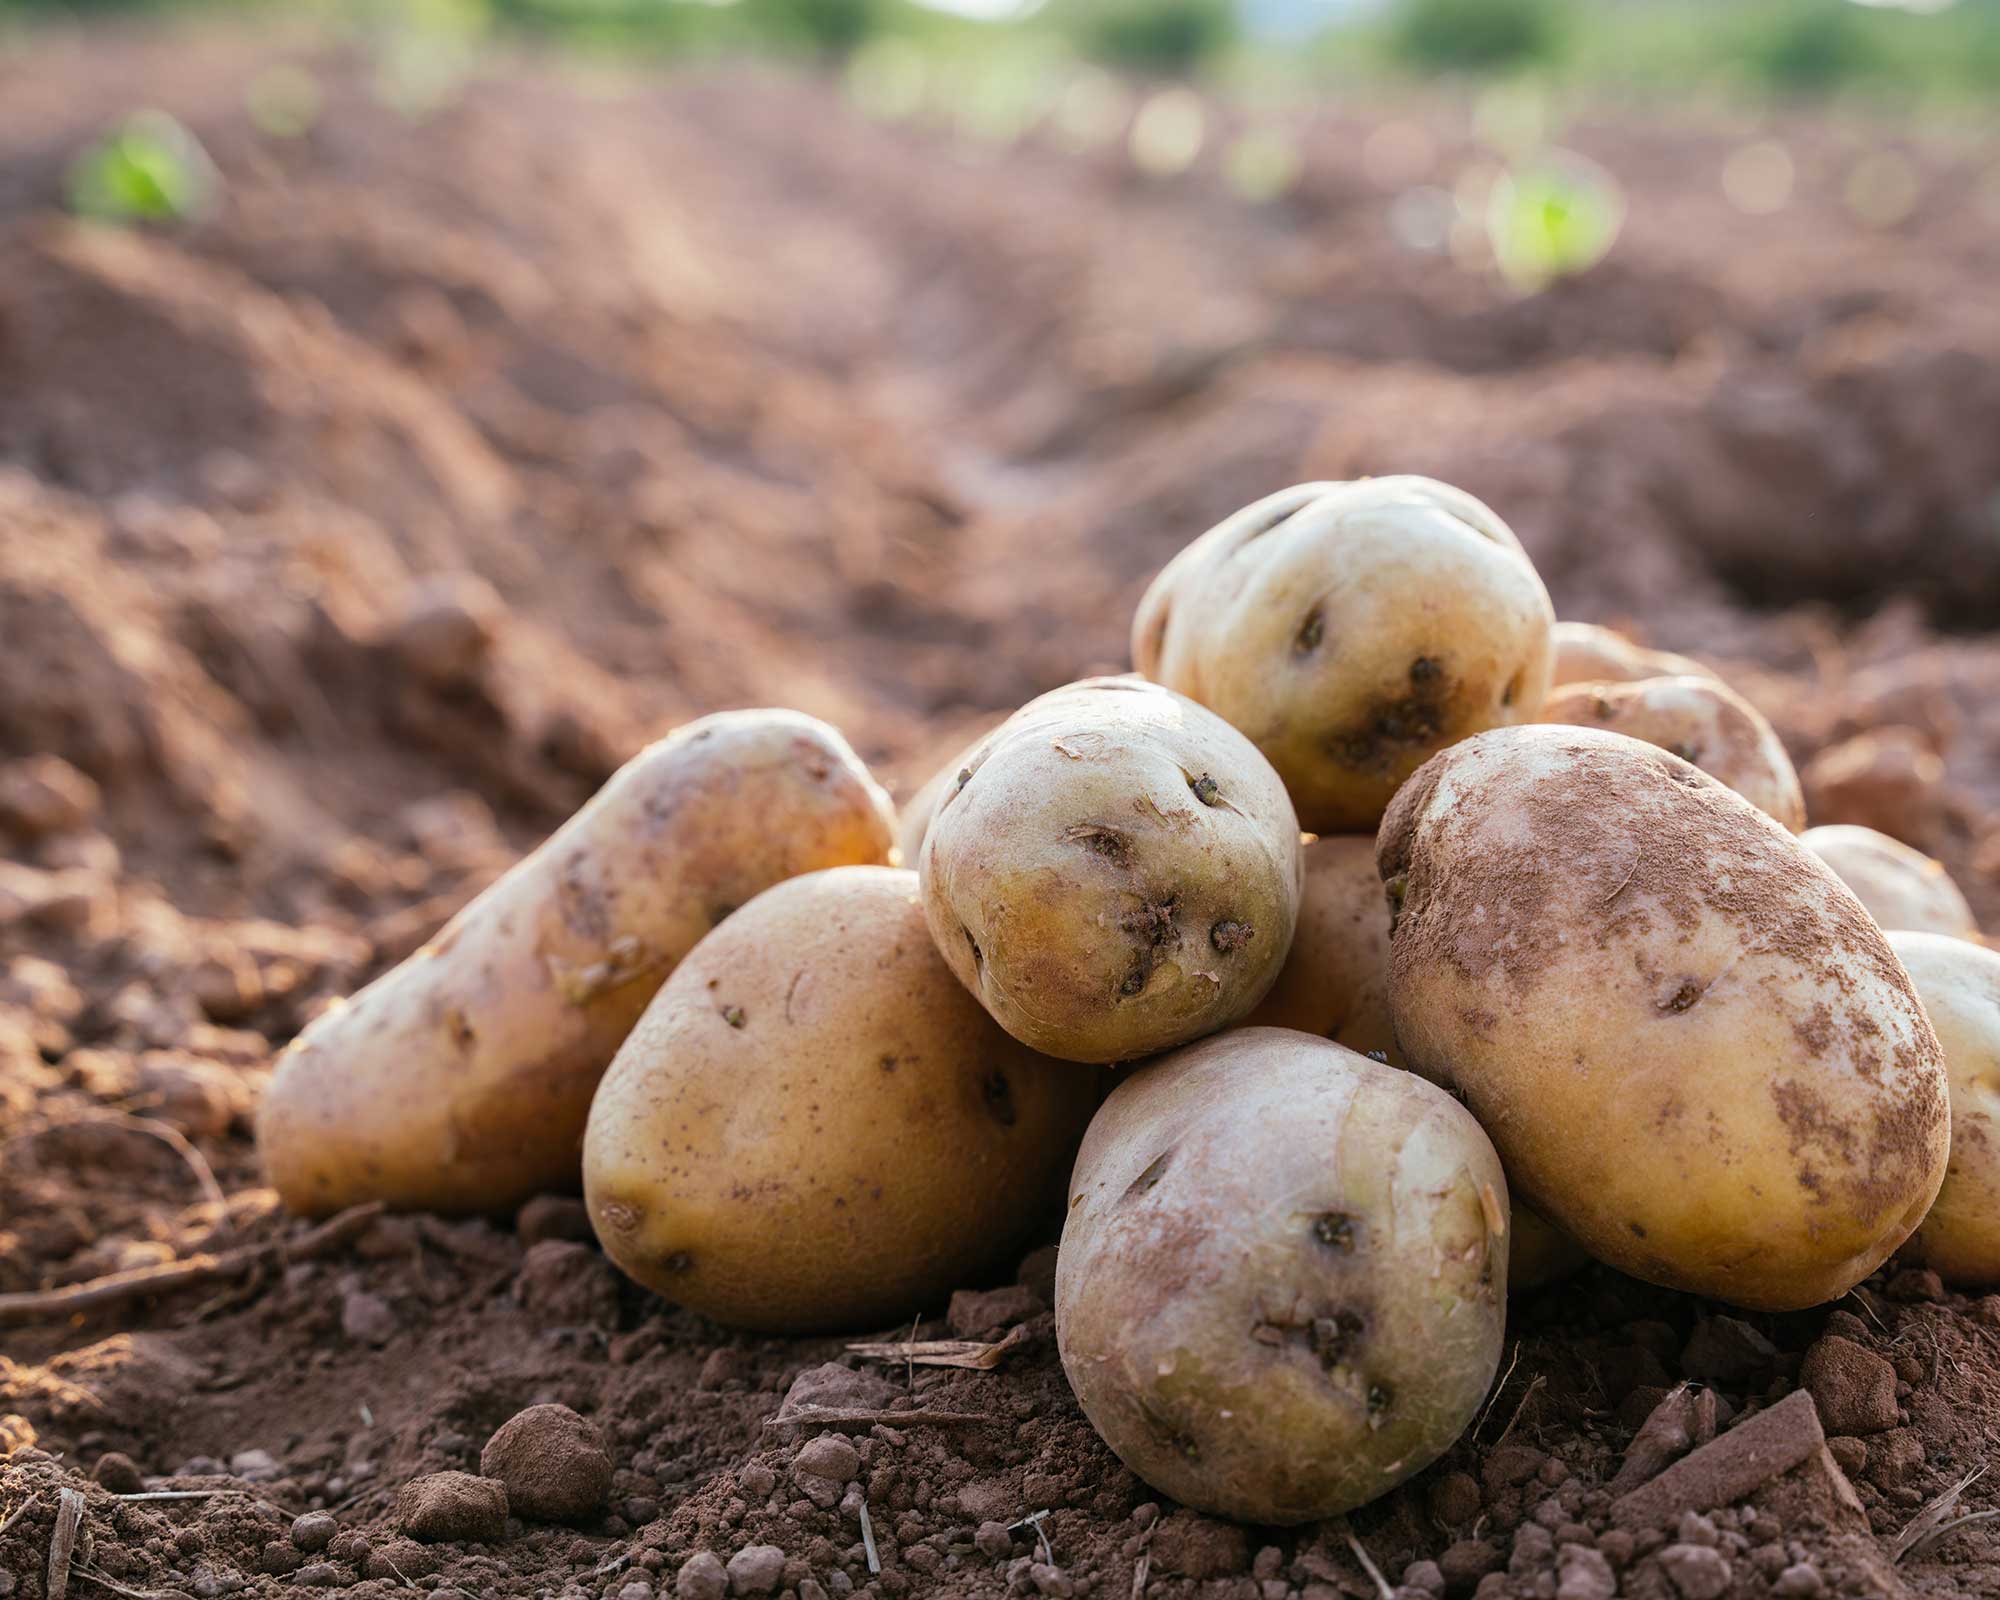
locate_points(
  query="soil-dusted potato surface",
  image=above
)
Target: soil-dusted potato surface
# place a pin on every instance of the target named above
(726, 397)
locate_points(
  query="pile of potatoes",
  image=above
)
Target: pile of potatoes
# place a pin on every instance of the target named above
(1381, 945)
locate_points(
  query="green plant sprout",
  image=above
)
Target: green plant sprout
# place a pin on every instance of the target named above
(149, 169)
(1552, 218)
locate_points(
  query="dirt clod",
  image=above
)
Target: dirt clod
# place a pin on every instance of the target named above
(452, 1505)
(1854, 1388)
(553, 1462)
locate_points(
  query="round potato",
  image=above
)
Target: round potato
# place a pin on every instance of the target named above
(1351, 630)
(1280, 1288)
(1115, 872)
(1901, 887)
(1694, 1050)
(459, 1081)
(914, 820)
(1588, 653)
(1701, 720)
(815, 1127)
(1959, 984)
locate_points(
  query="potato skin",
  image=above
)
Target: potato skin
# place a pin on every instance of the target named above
(459, 1081)
(1586, 652)
(1902, 888)
(1351, 630)
(1279, 1288)
(1117, 874)
(1694, 1050)
(1959, 984)
(1700, 719)
(815, 1127)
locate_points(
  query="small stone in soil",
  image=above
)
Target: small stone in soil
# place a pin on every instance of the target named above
(702, 1577)
(115, 1471)
(452, 1505)
(1855, 1389)
(976, 1313)
(314, 1531)
(725, 1365)
(1696, 1570)
(367, 1318)
(756, 1569)
(828, 1456)
(1800, 1581)
(757, 1480)
(994, 1541)
(1584, 1574)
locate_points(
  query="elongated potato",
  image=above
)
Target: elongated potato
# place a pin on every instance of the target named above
(1959, 984)
(1586, 652)
(1280, 1288)
(1902, 887)
(1351, 630)
(1117, 872)
(1701, 720)
(1693, 1048)
(815, 1127)
(459, 1081)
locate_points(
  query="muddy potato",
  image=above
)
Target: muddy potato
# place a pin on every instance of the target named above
(1351, 630)
(815, 1127)
(459, 1081)
(1586, 652)
(1692, 1047)
(1902, 888)
(1959, 984)
(1280, 1288)
(1700, 719)
(1114, 872)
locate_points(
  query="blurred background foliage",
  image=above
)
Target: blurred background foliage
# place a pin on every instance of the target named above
(1901, 49)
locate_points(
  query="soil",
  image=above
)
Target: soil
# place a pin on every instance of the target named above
(726, 396)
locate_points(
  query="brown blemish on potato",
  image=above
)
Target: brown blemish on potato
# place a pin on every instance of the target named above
(1134, 981)
(998, 1094)
(733, 1015)
(1685, 996)
(618, 1216)
(1206, 790)
(1230, 936)
(679, 1261)
(1394, 726)
(1114, 844)
(1336, 1230)
(1148, 1180)
(1312, 631)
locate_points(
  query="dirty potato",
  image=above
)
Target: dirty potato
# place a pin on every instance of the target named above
(1694, 1050)
(1586, 652)
(1959, 984)
(1351, 630)
(815, 1127)
(1281, 1284)
(459, 1081)
(1114, 872)
(1902, 888)
(1701, 720)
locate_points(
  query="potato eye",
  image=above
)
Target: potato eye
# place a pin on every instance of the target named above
(1311, 632)
(1335, 1230)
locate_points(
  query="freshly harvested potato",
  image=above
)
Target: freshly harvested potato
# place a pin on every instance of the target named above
(914, 820)
(460, 1080)
(1114, 872)
(815, 1127)
(1352, 630)
(1902, 888)
(1700, 719)
(1335, 983)
(1586, 652)
(1694, 1050)
(1959, 984)
(1280, 1288)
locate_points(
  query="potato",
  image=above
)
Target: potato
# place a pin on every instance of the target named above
(1588, 653)
(459, 1081)
(1335, 984)
(914, 820)
(1902, 888)
(1351, 630)
(1700, 719)
(1279, 1292)
(1959, 984)
(1694, 1050)
(815, 1127)
(1116, 872)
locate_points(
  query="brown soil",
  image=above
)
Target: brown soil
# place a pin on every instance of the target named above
(731, 398)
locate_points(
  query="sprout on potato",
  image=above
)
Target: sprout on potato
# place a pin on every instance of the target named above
(815, 1127)
(1351, 630)
(1959, 984)
(1693, 1048)
(1699, 719)
(1587, 652)
(1114, 872)
(1902, 887)
(1281, 1284)
(460, 1080)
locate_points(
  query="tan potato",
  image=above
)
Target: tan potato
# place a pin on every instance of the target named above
(1959, 984)
(1694, 1050)
(914, 820)
(1335, 984)
(1117, 872)
(1352, 630)
(815, 1127)
(1586, 652)
(1901, 887)
(460, 1080)
(1700, 719)
(1279, 1292)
